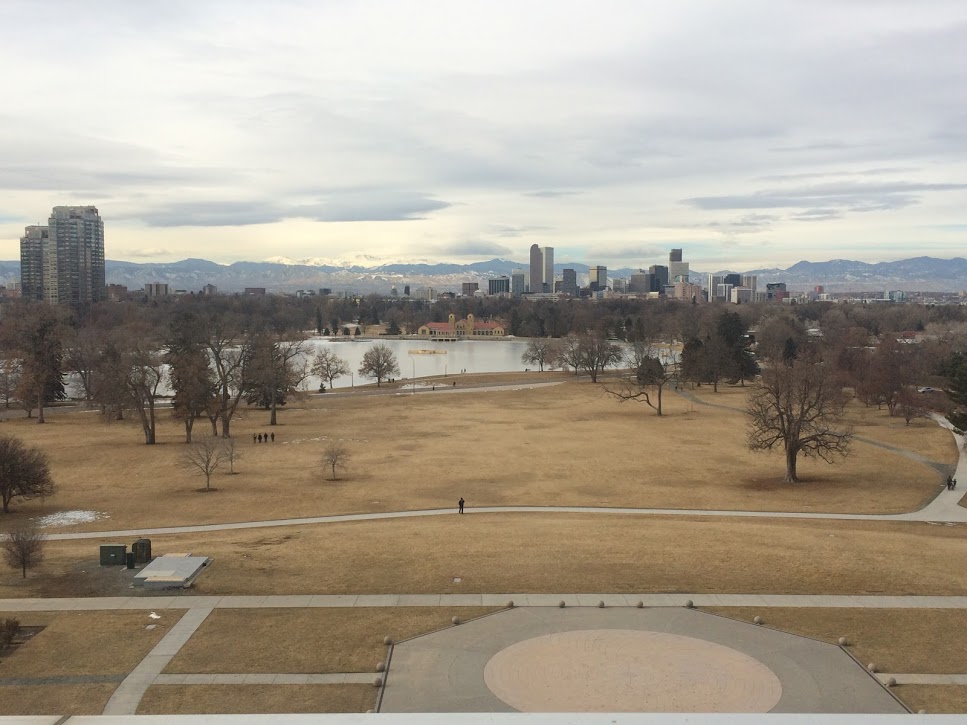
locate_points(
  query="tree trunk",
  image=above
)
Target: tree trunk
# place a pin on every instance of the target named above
(40, 407)
(272, 416)
(23, 568)
(189, 424)
(658, 409)
(792, 454)
(226, 426)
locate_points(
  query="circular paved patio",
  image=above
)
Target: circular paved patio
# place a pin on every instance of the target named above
(624, 659)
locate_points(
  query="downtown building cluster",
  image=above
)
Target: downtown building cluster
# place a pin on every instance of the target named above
(63, 263)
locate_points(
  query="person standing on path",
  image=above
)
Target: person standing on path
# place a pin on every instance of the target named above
(273, 436)
(253, 438)
(460, 505)
(260, 437)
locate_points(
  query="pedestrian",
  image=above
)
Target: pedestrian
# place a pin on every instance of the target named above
(253, 438)
(953, 485)
(273, 436)
(454, 383)
(460, 505)
(950, 483)
(266, 437)
(260, 437)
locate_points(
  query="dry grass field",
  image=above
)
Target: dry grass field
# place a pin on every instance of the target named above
(929, 641)
(305, 641)
(85, 643)
(566, 445)
(87, 699)
(244, 699)
(551, 553)
(935, 699)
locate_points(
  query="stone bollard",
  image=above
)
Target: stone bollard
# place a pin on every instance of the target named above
(843, 641)
(561, 604)
(601, 605)
(378, 682)
(510, 604)
(455, 620)
(891, 682)
(380, 666)
(757, 620)
(387, 640)
(640, 604)
(871, 667)
(689, 603)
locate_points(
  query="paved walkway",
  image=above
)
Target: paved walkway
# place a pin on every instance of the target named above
(127, 697)
(914, 679)
(59, 680)
(198, 605)
(337, 678)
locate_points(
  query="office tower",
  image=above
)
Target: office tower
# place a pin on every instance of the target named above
(406, 290)
(659, 277)
(469, 289)
(570, 283)
(536, 270)
(548, 280)
(733, 279)
(641, 283)
(677, 269)
(749, 281)
(714, 280)
(723, 291)
(599, 278)
(517, 283)
(498, 286)
(32, 262)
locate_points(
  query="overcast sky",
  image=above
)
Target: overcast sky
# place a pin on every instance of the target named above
(749, 132)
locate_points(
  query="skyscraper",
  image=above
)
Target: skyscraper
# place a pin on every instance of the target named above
(548, 279)
(70, 257)
(570, 284)
(517, 283)
(598, 278)
(677, 269)
(536, 277)
(659, 277)
(32, 262)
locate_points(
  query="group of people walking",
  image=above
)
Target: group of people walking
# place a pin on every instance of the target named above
(263, 438)
(951, 483)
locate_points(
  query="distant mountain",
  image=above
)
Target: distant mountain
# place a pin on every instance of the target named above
(927, 274)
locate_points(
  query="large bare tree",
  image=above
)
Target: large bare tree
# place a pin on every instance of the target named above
(228, 347)
(799, 407)
(596, 353)
(328, 366)
(335, 457)
(24, 472)
(648, 376)
(540, 351)
(23, 548)
(144, 373)
(379, 362)
(568, 354)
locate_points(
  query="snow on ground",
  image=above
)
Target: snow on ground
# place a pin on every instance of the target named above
(69, 518)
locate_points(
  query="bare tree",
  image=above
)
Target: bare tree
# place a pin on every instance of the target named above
(596, 353)
(24, 472)
(9, 379)
(36, 334)
(800, 407)
(204, 455)
(336, 457)
(23, 548)
(648, 378)
(540, 351)
(228, 348)
(328, 366)
(379, 362)
(144, 373)
(910, 404)
(568, 354)
(272, 370)
(233, 453)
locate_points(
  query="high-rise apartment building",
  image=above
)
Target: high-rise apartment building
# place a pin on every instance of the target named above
(598, 278)
(31, 262)
(69, 252)
(548, 257)
(640, 283)
(569, 285)
(714, 280)
(749, 281)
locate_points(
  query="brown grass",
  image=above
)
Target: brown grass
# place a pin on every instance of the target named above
(509, 448)
(305, 641)
(935, 699)
(244, 699)
(927, 641)
(55, 699)
(558, 553)
(85, 643)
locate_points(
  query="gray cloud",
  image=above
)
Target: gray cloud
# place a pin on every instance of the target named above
(471, 248)
(850, 196)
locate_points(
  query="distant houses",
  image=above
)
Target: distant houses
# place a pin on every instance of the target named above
(456, 329)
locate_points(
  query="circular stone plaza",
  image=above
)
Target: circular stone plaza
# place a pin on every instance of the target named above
(625, 659)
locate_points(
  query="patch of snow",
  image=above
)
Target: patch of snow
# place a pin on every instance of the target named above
(154, 615)
(69, 518)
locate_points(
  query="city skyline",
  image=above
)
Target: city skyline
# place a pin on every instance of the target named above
(754, 134)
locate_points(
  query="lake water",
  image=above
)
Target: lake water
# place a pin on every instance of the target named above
(472, 356)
